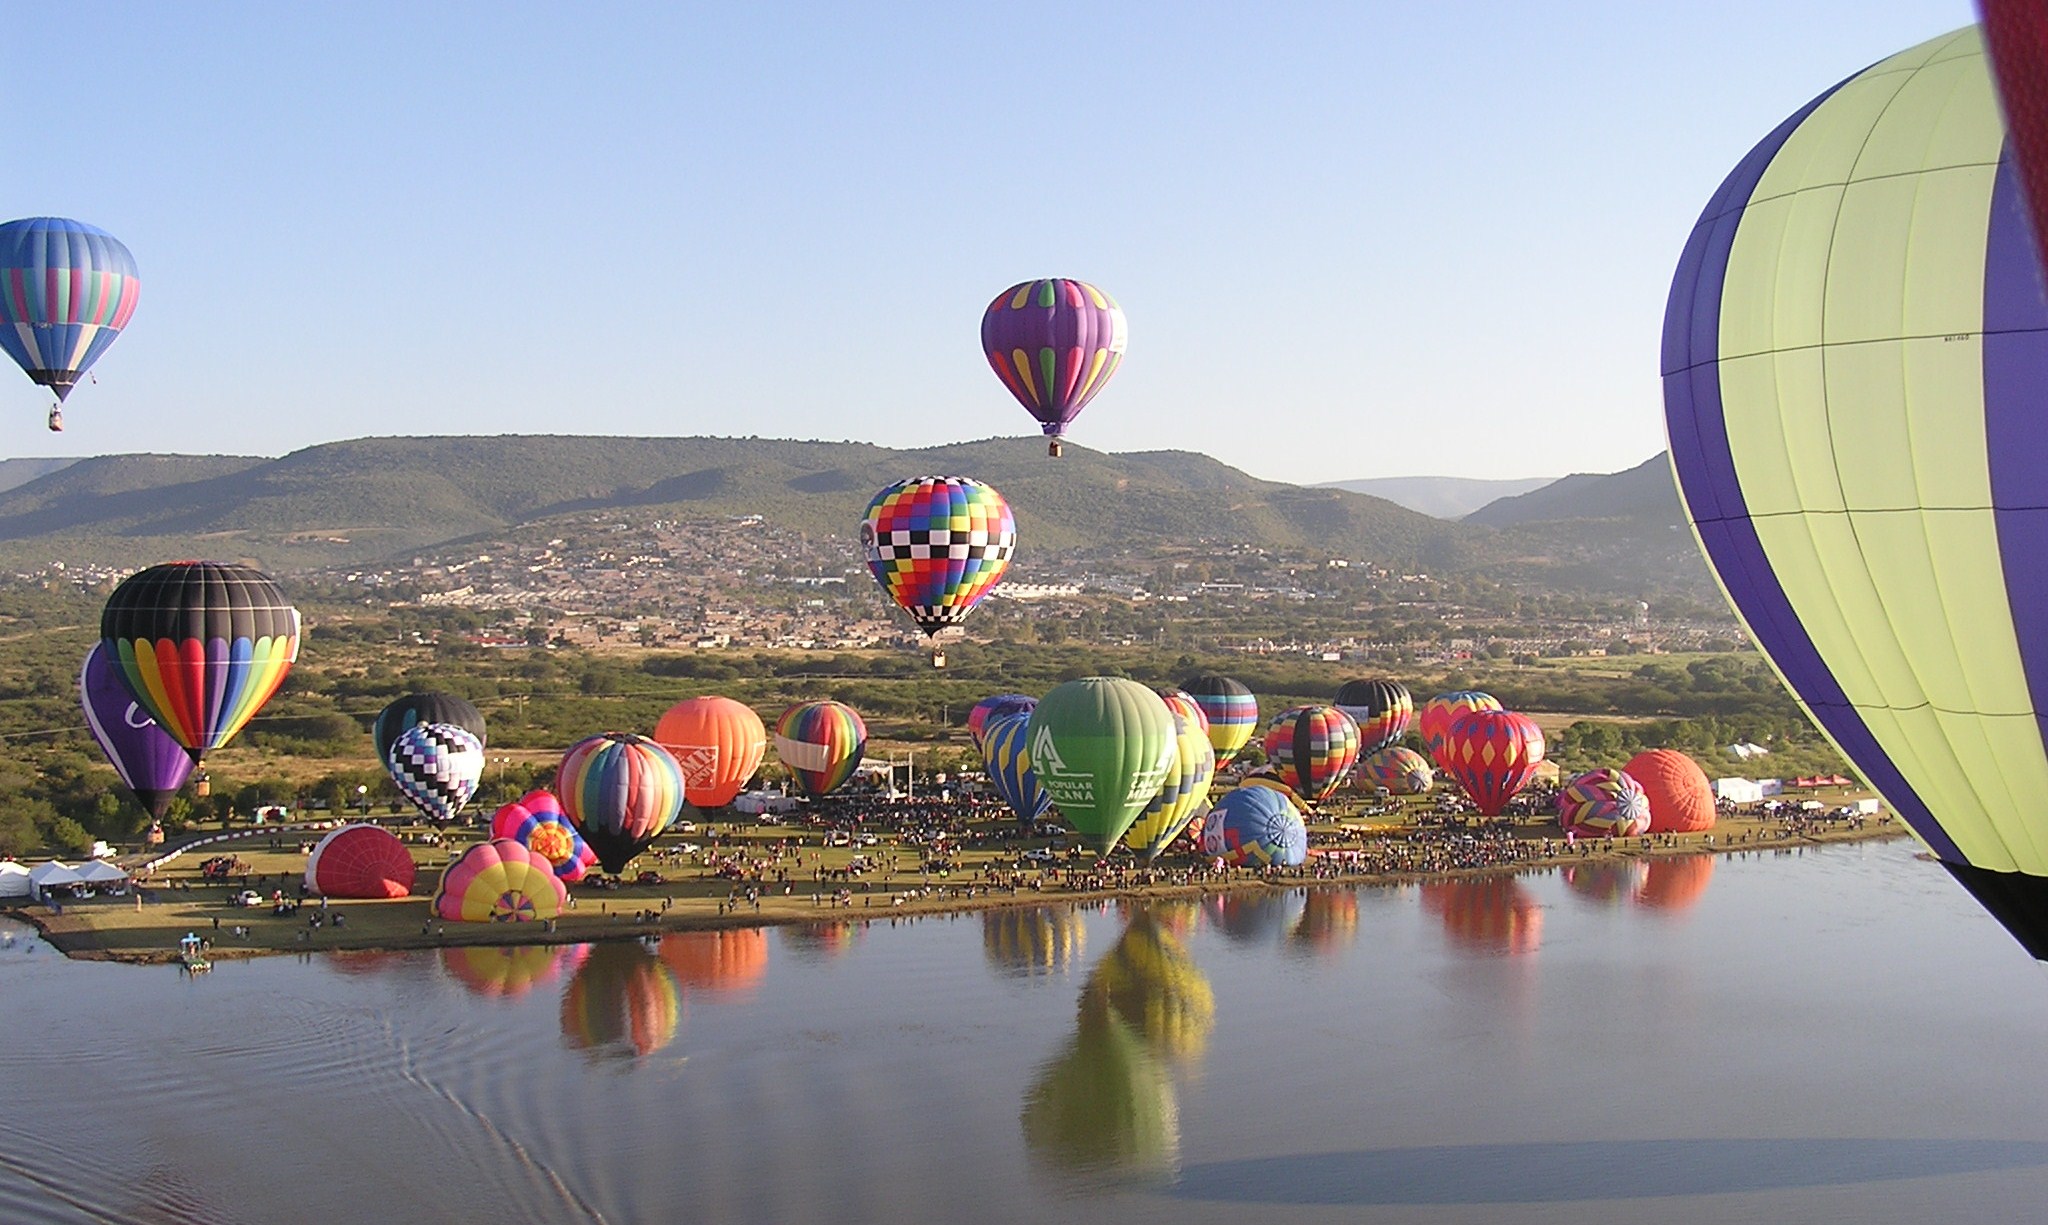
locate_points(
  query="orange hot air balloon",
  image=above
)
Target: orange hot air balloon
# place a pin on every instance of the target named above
(717, 961)
(718, 743)
(1681, 800)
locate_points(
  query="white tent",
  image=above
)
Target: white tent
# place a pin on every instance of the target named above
(50, 875)
(100, 872)
(13, 879)
(1738, 790)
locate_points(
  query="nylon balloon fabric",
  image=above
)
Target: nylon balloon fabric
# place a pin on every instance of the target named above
(66, 291)
(437, 767)
(938, 545)
(360, 861)
(202, 645)
(536, 821)
(499, 881)
(1055, 344)
(1383, 710)
(717, 743)
(149, 762)
(1255, 827)
(1232, 710)
(416, 708)
(1852, 394)
(1443, 710)
(1183, 792)
(1312, 750)
(821, 743)
(620, 791)
(1493, 754)
(1009, 767)
(1603, 803)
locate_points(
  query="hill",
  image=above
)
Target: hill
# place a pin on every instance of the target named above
(21, 471)
(376, 498)
(1440, 497)
(1645, 493)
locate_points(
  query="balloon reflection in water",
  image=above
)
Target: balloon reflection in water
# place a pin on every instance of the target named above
(1032, 940)
(1676, 883)
(1254, 916)
(622, 1002)
(1609, 882)
(1107, 1104)
(815, 941)
(1492, 915)
(717, 961)
(509, 971)
(1329, 921)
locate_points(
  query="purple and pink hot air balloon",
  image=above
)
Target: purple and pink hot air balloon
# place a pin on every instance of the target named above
(1055, 343)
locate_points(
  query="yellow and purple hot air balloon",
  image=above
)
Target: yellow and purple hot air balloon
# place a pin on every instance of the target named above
(1854, 350)
(1054, 343)
(937, 545)
(821, 743)
(202, 645)
(1400, 770)
(66, 291)
(1189, 772)
(1493, 754)
(1312, 750)
(619, 791)
(1232, 710)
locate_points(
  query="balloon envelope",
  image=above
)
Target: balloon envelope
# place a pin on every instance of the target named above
(1232, 710)
(151, 764)
(66, 291)
(1401, 771)
(619, 791)
(992, 708)
(1603, 803)
(1255, 827)
(1680, 797)
(1312, 750)
(537, 822)
(1493, 754)
(717, 743)
(821, 743)
(1383, 710)
(499, 881)
(1183, 793)
(1443, 710)
(938, 545)
(201, 644)
(1100, 747)
(1009, 767)
(416, 708)
(437, 767)
(1055, 344)
(360, 861)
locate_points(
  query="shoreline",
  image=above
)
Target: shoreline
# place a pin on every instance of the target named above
(78, 938)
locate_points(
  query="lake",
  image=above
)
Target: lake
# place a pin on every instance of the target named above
(1834, 1035)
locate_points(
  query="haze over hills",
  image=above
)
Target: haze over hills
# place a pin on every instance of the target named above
(378, 499)
(21, 471)
(1440, 497)
(1646, 492)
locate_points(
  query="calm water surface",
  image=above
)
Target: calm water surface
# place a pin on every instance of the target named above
(1833, 1036)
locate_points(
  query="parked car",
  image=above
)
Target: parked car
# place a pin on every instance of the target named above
(247, 897)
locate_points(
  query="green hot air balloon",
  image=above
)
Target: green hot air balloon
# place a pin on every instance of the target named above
(1100, 747)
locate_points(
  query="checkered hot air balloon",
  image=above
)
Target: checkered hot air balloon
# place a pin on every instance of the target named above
(1312, 749)
(1383, 710)
(1603, 803)
(1054, 343)
(1493, 754)
(1443, 710)
(937, 545)
(436, 766)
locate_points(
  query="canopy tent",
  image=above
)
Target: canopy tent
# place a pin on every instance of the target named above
(13, 879)
(46, 876)
(100, 872)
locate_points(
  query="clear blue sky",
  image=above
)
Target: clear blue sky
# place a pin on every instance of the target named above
(1352, 239)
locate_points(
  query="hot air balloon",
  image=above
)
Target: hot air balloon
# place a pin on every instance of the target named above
(1852, 391)
(1100, 747)
(360, 861)
(66, 291)
(1183, 703)
(499, 881)
(937, 545)
(1383, 710)
(1151, 984)
(1443, 710)
(151, 764)
(1009, 767)
(821, 743)
(1232, 710)
(436, 767)
(717, 743)
(1312, 750)
(1255, 827)
(619, 791)
(1493, 754)
(1603, 803)
(1027, 941)
(1681, 799)
(417, 708)
(991, 708)
(2016, 35)
(536, 821)
(1401, 771)
(1182, 794)
(202, 645)
(622, 1002)
(1054, 343)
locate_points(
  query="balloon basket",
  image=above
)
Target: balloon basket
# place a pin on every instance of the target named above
(1053, 448)
(938, 657)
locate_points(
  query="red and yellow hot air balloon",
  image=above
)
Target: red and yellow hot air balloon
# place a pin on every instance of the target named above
(1434, 722)
(1493, 754)
(717, 742)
